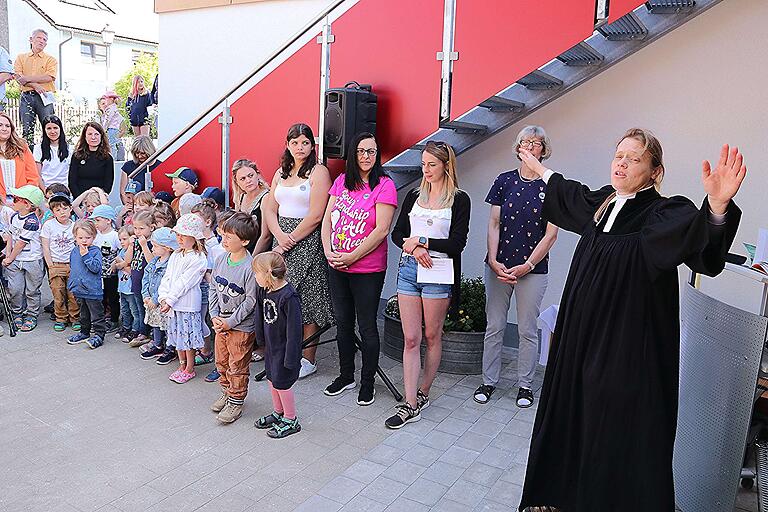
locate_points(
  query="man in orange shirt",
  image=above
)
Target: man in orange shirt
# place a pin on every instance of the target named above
(36, 72)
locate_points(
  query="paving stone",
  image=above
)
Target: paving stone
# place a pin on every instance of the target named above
(466, 492)
(473, 441)
(443, 473)
(341, 489)
(451, 425)
(422, 455)
(505, 493)
(439, 440)
(459, 456)
(363, 504)
(425, 491)
(404, 472)
(385, 454)
(401, 504)
(482, 474)
(365, 471)
(319, 504)
(383, 490)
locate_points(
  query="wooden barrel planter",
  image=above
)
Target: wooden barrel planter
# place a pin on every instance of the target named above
(462, 351)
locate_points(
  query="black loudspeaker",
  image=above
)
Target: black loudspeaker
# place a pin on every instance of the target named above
(348, 111)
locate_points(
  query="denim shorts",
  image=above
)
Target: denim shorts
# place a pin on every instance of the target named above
(407, 285)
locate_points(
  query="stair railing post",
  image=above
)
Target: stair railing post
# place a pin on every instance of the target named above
(324, 40)
(447, 56)
(225, 120)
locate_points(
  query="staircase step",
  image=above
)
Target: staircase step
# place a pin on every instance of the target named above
(626, 28)
(403, 175)
(465, 128)
(539, 81)
(670, 6)
(501, 104)
(581, 55)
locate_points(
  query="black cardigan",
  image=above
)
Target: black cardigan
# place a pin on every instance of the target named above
(452, 246)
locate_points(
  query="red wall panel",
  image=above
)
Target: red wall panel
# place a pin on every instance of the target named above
(260, 120)
(392, 45)
(618, 8)
(500, 41)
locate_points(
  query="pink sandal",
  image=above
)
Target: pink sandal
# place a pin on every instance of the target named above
(175, 375)
(184, 377)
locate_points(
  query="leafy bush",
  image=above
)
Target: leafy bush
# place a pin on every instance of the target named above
(470, 316)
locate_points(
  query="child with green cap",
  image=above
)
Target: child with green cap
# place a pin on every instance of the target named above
(24, 259)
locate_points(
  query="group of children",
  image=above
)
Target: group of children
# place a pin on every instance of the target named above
(166, 277)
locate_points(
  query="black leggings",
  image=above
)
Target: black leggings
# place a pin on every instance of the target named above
(111, 298)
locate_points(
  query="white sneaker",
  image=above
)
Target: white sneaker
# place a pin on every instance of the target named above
(307, 368)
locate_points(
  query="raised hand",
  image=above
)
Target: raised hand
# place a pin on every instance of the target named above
(722, 182)
(531, 162)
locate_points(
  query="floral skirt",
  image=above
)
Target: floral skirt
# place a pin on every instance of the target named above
(185, 330)
(308, 273)
(154, 318)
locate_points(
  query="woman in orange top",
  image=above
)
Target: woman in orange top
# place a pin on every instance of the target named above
(17, 165)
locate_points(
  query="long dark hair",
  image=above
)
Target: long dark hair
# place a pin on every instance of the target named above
(286, 162)
(81, 150)
(352, 179)
(45, 145)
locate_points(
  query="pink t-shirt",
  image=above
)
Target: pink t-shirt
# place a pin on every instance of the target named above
(353, 218)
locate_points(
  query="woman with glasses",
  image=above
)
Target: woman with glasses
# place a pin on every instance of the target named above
(605, 427)
(141, 149)
(354, 233)
(293, 212)
(519, 241)
(249, 189)
(432, 231)
(52, 154)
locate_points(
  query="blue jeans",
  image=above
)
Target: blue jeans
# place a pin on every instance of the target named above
(112, 136)
(158, 337)
(129, 312)
(408, 285)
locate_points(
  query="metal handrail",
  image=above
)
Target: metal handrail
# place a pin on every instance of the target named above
(317, 19)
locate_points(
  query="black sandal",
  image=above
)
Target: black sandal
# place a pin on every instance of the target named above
(268, 420)
(483, 393)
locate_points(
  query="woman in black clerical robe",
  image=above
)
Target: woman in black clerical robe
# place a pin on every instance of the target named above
(605, 427)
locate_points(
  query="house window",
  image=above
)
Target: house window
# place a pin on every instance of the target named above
(94, 52)
(136, 55)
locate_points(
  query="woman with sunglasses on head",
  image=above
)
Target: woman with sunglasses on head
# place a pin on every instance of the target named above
(52, 155)
(519, 240)
(17, 165)
(355, 228)
(432, 231)
(141, 149)
(293, 212)
(249, 190)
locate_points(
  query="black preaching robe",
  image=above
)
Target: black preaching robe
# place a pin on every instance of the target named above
(606, 421)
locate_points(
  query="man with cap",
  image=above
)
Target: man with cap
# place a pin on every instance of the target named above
(183, 181)
(108, 242)
(58, 242)
(24, 262)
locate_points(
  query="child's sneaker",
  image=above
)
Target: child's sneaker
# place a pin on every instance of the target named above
(230, 413)
(94, 341)
(167, 356)
(152, 352)
(77, 338)
(129, 335)
(213, 376)
(59, 326)
(220, 402)
(76, 326)
(120, 334)
(284, 428)
(139, 340)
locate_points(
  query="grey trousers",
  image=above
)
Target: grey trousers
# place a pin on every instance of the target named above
(24, 281)
(529, 292)
(31, 108)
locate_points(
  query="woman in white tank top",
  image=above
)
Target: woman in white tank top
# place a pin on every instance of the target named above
(293, 213)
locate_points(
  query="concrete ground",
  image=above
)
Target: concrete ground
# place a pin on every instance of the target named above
(102, 430)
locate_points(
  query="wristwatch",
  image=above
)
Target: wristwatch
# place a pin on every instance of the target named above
(423, 241)
(530, 265)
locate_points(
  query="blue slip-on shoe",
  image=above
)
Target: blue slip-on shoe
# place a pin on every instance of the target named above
(94, 341)
(213, 376)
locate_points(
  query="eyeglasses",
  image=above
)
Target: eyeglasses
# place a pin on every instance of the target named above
(370, 152)
(533, 143)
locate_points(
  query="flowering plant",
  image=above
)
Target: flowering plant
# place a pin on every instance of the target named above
(470, 316)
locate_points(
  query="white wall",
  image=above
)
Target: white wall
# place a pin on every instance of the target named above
(699, 87)
(22, 20)
(206, 51)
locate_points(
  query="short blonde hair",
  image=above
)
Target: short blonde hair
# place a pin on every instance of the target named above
(143, 144)
(533, 130)
(272, 266)
(86, 225)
